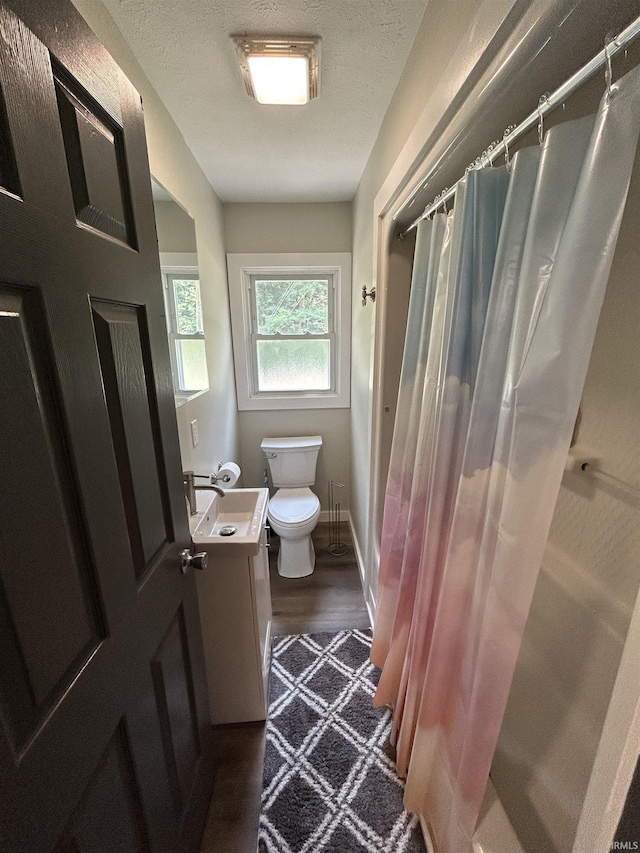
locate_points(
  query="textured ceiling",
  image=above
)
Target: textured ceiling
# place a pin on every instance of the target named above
(252, 152)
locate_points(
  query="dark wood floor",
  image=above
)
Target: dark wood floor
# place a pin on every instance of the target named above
(330, 599)
(327, 600)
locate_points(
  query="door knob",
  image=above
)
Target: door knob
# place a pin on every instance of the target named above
(198, 561)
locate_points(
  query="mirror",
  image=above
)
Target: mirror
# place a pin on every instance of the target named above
(181, 287)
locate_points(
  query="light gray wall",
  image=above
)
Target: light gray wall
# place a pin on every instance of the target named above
(322, 227)
(176, 229)
(177, 171)
(333, 459)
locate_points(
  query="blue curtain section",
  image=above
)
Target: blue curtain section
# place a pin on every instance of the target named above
(499, 320)
(505, 300)
(481, 201)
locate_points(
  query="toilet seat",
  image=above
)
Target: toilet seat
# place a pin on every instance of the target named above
(293, 506)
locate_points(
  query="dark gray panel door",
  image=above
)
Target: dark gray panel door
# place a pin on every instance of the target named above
(103, 709)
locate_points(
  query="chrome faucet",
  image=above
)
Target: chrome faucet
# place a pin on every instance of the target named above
(190, 488)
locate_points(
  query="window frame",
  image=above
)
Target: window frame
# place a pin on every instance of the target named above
(180, 265)
(242, 271)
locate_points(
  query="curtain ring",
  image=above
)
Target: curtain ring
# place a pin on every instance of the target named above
(608, 71)
(505, 137)
(543, 99)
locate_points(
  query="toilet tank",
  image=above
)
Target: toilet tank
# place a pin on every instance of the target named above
(292, 461)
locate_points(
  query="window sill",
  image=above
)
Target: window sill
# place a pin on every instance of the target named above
(181, 399)
(294, 401)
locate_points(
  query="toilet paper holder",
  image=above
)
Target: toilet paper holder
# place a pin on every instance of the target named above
(215, 479)
(227, 476)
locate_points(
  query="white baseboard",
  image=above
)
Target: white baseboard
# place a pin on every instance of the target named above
(366, 592)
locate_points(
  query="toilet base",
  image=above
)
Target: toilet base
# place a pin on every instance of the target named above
(296, 557)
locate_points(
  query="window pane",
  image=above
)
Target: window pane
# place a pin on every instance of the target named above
(292, 307)
(188, 306)
(192, 365)
(294, 365)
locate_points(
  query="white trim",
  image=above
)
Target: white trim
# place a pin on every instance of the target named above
(240, 268)
(366, 589)
(384, 228)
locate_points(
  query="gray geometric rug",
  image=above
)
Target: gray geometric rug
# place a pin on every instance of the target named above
(329, 779)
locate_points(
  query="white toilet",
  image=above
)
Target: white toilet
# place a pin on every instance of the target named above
(294, 509)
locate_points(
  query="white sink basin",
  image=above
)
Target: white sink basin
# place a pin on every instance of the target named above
(242, 509)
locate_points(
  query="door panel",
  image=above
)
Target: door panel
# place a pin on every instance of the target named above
(97, 164)
(112, 790)
(40, 170)
(42, 652)
(8, 169)
(176, 710)
(122, 350)
(103, 710)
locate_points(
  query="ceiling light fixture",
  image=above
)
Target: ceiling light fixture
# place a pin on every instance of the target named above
(280, 70)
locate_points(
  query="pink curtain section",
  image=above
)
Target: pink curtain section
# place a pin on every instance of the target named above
(505, 299)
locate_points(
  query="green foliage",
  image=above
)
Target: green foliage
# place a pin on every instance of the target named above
(188, 306)
(292, 307)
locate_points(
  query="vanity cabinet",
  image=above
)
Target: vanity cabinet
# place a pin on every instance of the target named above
(234, 597)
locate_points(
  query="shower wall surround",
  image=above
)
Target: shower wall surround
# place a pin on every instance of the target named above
(587, 586)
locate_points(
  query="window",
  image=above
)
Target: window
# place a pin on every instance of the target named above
(293, 332)
(186, 333)
(290, 319)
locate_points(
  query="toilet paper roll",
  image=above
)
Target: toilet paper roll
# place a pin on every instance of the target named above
(230, 470)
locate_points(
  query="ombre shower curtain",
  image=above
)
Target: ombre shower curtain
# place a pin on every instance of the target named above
(505, 298)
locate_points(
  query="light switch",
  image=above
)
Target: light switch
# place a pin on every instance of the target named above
(195, 435)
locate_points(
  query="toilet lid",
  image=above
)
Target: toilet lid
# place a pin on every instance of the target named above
(292, 505)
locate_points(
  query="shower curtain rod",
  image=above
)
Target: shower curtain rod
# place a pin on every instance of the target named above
(546, 104)
(599, 474)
